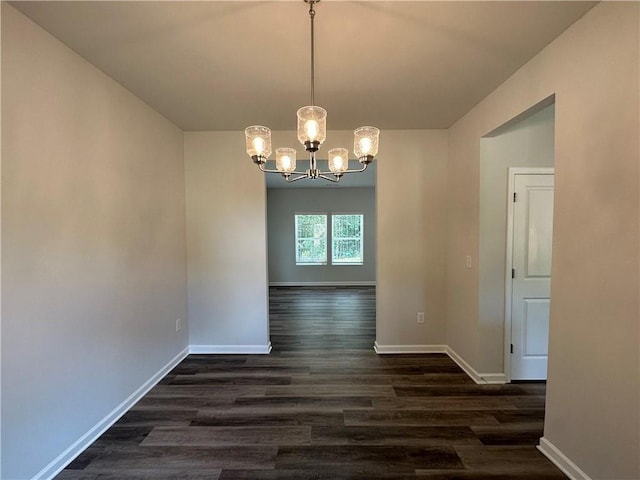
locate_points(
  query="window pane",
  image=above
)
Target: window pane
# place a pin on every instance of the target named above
(311, 239)
(346, 225)
(347, 240)
(312, 251)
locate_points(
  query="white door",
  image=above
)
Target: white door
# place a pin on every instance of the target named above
(531, 275)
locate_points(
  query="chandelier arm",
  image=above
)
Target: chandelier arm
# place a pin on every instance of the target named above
(331, 179)
(320, 174)
(358, 170)
(267, 170)
(288, 179)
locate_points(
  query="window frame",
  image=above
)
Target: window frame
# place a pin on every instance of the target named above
(335, 239)
(297, 238)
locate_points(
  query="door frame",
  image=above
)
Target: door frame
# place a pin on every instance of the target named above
(512, 172)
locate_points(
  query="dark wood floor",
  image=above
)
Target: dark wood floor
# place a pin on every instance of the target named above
(323, 405)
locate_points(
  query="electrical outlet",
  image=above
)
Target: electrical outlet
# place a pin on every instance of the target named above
(178, 324)
(420, 318)
(468, 261)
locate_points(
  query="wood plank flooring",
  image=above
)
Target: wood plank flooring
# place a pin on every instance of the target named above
(323, 406)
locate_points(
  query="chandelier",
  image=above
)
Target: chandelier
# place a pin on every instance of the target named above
(312, 132)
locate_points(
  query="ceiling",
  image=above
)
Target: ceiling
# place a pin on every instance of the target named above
(223, 65)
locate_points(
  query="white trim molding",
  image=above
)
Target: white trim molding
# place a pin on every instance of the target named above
(231, 349)
(390, 349)
(355, 283)
(80, 445)
(561, 461)
(479, 378)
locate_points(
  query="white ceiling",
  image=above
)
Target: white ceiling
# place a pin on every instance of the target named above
(223, 65)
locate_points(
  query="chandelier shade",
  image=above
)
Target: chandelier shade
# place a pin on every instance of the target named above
(338, 160)
(258, 141)
(365, 142)
(312, 125)
(286, 160)
(312, 133)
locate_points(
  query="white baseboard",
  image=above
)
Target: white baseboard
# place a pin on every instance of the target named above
(389, 349)
(561, 461)
(231, 349)
(493, 378)
(66, 457)
(479, 378)
(356, 283)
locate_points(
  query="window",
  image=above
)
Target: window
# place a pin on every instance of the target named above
(346, 239)
(311, 239)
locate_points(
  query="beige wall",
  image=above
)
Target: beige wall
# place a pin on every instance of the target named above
(593, 396)
(410, 196)
(226, 238)
(93, 247)
(227, 272)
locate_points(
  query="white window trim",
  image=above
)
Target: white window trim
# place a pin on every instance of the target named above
(361, 239)
(329, 239)
(296, 239)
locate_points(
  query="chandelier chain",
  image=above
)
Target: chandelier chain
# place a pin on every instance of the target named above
(312, 14)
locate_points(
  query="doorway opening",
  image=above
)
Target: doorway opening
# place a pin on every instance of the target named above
(526, 142)
(321, 238)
